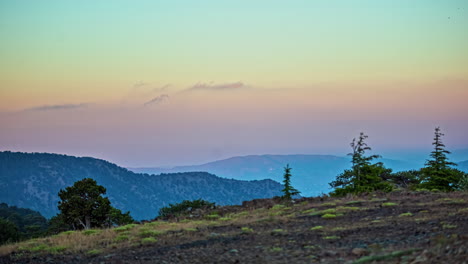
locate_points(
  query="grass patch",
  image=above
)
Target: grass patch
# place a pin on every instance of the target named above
(331, 237)
(225, 218)
(338, 229)
(124, 228)
(149, 233)
(94, 252)
(277, 231)
(326, 211)
(405, 214)
(212, 216)
(329, 216)
(278, 207)
(276, 249)
(121, 238)
(389, 204)
(68, 232)
(309, 211)
(246, 230)
(357, 202)
(148, 240)
(190, 229)
(56, 249)
(329, 204)
(40, 247)
(448, 226)
(348, 208)
(91, 232)
(395, 254)
(316, 228)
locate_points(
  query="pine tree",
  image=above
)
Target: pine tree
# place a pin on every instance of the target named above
(288, 191)
(438, 174)
(439, 161)
(363, 175)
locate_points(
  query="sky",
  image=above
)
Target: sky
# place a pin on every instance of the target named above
(159, 83)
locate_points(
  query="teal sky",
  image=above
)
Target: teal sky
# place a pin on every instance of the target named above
(258, 63)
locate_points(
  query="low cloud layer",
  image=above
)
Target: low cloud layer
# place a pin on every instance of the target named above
(56, 107)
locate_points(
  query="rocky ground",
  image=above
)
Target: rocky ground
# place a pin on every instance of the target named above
(400, 227)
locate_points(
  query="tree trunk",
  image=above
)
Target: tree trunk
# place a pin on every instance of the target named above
(88, 222)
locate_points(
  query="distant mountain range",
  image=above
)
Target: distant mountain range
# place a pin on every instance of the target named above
(311, 173)
(33, 180)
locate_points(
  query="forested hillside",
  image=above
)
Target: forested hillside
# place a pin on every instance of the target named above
(32, 180)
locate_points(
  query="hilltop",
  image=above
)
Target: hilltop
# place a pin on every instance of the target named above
(397, 227)
(33, 180)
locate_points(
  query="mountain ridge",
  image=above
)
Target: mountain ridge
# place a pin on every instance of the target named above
(32, 180)
(311, 172)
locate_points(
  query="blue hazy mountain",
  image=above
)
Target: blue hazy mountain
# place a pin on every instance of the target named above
(311, 173)
(33, 180)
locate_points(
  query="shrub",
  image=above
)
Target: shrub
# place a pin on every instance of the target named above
(148, 240)
(184, 208)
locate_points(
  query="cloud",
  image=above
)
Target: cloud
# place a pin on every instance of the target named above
(140, 84)
(157, 100)
(217, 87)
(162, 88)
(56, 107)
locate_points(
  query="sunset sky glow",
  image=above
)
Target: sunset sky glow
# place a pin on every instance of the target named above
(150, 83)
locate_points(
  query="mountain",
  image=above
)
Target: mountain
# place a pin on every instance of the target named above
(462, 165)
(311, 173)
(33, 180)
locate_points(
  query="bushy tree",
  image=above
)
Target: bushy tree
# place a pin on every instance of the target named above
(288, 191)
(184, 208)
(405, 179)
(364, 176)
(438, 173)
(117, 218)
(83, 206)
(8, 232)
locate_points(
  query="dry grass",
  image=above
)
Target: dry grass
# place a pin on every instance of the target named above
(99, 241)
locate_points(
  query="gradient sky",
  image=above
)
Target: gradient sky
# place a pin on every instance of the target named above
(146, 83)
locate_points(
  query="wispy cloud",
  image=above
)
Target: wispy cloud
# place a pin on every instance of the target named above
(56, 107)
(157, 100)
(217, 87)
(162, 88)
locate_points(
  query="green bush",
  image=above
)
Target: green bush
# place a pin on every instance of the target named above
(184, 208)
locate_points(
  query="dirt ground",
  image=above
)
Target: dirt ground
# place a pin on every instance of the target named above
(399, 227)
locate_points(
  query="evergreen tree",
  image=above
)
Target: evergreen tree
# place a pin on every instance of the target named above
(437, 174)
(82, 204)
(288, 191)
(363, 175)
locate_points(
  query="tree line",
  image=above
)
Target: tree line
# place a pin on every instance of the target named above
(365, 175)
